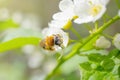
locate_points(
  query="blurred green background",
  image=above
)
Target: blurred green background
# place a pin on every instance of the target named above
(30, 62)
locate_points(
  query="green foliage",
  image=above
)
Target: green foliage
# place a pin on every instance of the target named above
(108, 64)
(18, 38)
(97, 76)
(96, 57)
(18, 42)
(7, 24)
(101, 67)
(113, 53)
(86, 66)
(85, 74)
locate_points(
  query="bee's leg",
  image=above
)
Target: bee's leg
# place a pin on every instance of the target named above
(52, 48)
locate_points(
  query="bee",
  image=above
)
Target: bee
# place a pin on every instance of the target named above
(50, 41)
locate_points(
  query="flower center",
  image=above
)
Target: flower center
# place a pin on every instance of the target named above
(95, 10)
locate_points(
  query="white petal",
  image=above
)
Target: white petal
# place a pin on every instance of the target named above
(65, 4)
(57, 23)
(81, 9)
(79, 1)
(98, 16)
(102, 2)
(68, 14)
(84, 20)
(116, 41)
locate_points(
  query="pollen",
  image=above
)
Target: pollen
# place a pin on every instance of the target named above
(75, 17)
(95, 10)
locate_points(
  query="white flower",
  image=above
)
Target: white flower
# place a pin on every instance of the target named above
(66, 6)
(116, 41)
(119, 13)
(102, 42)
(65, 17)
(82, 11)
(59, 34)
(89, 10)
(60, 24)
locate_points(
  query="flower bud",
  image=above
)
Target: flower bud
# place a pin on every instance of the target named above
(116, 41)
(102, 42)
(119, 13)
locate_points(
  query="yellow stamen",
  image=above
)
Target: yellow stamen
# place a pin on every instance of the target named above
(75, 17)
(67, 25)
(95, 10)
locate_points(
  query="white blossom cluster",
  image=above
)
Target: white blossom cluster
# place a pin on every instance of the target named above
(77, 11)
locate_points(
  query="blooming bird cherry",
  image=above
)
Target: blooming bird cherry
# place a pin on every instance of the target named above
(89, 11)
(80, 11)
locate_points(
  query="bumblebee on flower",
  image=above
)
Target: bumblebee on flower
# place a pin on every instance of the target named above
(54, 39)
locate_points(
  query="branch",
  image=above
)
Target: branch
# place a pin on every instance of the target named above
(76, 50)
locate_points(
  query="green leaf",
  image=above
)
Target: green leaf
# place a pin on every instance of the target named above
(118, 55)
(85, 74)
(99, 68)
(97, 76)
(7, 24)
(108, 64)
(113, 53)
(86, 66)
(19, 38)
(21, 32)
(96, 57)
(18, 42)
(110, 76)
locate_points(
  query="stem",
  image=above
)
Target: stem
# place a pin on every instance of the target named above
(96, 25)
(76, 33)
(108, 36)
(55, 69)
(76, 50)
(88, 27)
